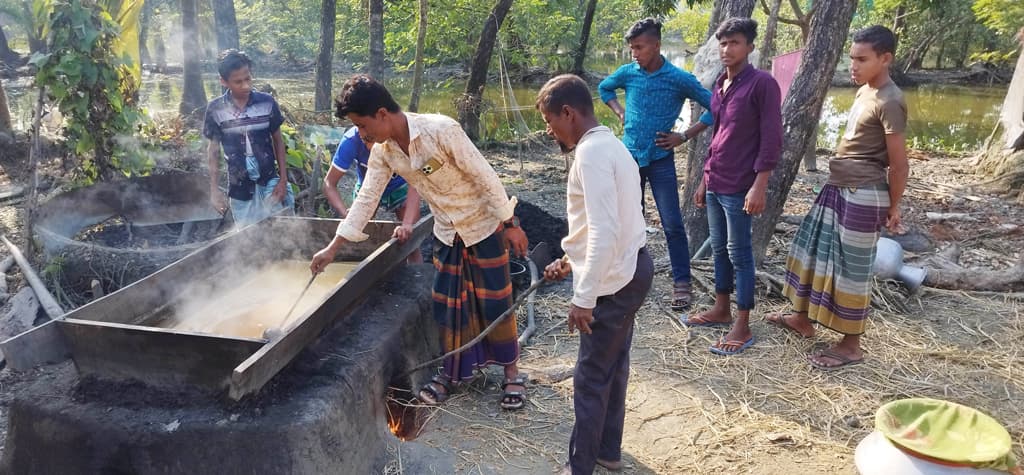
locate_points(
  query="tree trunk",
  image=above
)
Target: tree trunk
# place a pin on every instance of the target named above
(802, 109)
(417, 75)
(469, 104)
(961, 58)
(707, 68)
(33, 172)
(1003, 157)
(160, 53)
(328, 18)
(581, 50)
(144, 21)
(36, 42)
(193, 99)
(768, 40)
(6, 127)
(227, 24)
(7, 55)
(376, 66)
(899, 23)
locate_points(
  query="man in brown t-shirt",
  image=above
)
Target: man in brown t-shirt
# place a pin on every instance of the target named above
(863, 156)
(828, 270)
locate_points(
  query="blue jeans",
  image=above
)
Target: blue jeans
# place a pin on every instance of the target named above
(260, 207)
(665, 187)
(730, 230)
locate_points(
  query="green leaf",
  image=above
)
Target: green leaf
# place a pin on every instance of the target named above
(295, 159)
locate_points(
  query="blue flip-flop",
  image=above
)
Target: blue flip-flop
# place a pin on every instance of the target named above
(699, 321)
(719, 351)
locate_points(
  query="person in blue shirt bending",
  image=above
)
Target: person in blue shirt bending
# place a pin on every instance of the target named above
(655, 91)
(398, 196)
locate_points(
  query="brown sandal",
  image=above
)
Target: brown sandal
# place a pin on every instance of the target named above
(431, 395)
(514, 400)
(682, 296)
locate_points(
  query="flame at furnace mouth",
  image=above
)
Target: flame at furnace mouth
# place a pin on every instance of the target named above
(403, 419)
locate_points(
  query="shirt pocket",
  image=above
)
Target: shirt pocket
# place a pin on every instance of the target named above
(735, 107)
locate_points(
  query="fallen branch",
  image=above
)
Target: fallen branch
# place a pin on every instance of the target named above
(933, 216)
(46, 300)
(947, 259)
(973, 279)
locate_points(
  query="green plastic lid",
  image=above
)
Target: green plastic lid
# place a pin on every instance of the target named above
(947, 431)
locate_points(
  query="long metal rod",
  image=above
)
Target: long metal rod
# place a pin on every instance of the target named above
(531, 324)
(519, 301)
(275, 332)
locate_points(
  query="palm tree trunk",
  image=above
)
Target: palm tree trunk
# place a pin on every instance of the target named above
(325, 55)
(376, 67)
(417, 75)
(768, 42)
(193, 99)
(581, 50)
(227, 24)
(469, 105)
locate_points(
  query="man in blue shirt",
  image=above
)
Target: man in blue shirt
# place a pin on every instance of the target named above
(655, 91)
(398, 195)
(247, 124)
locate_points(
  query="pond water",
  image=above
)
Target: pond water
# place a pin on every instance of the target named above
(941, 116)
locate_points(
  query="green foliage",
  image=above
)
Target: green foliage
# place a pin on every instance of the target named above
(692, 23)
(299, 153)
(536, 33)
(947, 33)
(995, 57)
(93, 87)
(287, 27)
(1003, 16)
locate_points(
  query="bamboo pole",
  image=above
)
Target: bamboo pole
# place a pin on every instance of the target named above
(46, 300)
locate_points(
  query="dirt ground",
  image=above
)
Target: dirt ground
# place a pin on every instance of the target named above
(765, 411)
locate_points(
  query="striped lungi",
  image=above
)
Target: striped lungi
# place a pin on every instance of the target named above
(828, 271)
(472, 289)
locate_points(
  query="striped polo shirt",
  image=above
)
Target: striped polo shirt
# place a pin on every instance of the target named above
(245, 132)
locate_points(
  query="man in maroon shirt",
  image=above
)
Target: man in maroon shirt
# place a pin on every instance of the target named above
(745, 147)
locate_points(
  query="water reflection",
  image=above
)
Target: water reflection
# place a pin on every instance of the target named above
(940, 116)
(948, 117)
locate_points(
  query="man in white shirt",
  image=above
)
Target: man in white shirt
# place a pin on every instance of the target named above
(612, 271)
(474, 227)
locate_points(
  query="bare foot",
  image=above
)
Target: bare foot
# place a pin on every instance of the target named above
(713, 315)
(795, 322)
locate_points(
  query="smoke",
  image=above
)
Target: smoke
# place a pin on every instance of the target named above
(245, 283)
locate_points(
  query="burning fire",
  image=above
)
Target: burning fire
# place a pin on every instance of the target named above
(403, 420)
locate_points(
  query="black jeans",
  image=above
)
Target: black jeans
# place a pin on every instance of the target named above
(602, 372)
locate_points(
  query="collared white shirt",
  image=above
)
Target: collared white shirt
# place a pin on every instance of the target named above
(463, 190)
(606, 222)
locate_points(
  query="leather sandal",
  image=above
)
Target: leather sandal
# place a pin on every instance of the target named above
(682, 296)
(513, 400)
(435, 395)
